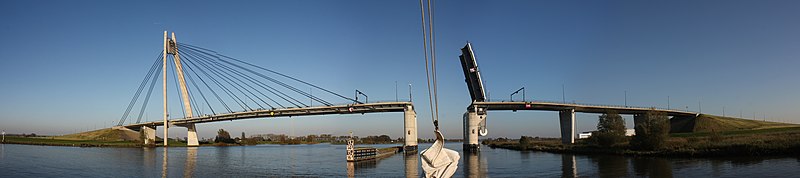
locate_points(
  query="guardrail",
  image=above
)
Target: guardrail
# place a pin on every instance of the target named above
(588, 104)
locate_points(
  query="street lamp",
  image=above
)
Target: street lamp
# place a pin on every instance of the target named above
(366, 100)
(511, 97)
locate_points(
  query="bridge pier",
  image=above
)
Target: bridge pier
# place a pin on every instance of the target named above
(191, 136)
(567, 120)
(472, 122)
(410, 125)
(149, 135)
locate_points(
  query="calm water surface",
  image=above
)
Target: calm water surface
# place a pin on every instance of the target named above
(325, 160)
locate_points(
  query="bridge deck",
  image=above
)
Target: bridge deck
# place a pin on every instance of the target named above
(306, 111)
(585, 108)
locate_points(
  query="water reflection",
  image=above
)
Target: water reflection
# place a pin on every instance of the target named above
(568, 166)
(360, 165)
(191, 159)
(651, 167)
(610, 165)
(472, 165)
(164, 164)
(149, 160)
(412, 164)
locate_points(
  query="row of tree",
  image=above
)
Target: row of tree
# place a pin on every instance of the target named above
(652, 131)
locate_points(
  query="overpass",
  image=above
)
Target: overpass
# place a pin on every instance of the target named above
(233, 82)
(475, 117)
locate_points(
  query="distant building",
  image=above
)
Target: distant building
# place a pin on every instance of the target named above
(587, 134)
(584, 135)
(630, 132)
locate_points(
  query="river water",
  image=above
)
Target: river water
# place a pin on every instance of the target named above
(325, 160)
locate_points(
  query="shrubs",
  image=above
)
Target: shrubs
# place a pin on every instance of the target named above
(610, 130)
(223, 137)
(652, 130)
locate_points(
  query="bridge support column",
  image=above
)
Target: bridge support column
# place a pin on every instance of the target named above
(637, 120)
(567, 120)
(191, 137)
(410, 125)
(472, 122)
(149, 134)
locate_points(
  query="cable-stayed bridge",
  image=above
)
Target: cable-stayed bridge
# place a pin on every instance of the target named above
(214, 87)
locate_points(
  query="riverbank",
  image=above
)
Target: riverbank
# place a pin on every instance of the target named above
(762, 142)
(53, 141)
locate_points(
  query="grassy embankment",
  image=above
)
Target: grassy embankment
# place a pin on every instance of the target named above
(95, 138)
(705, 135)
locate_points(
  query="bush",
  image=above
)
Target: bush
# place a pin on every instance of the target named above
(610, 130)
(523, 140)
(652, 130)
(223, 137)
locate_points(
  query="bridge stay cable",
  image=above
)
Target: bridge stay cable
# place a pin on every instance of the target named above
(227, 91)
(246, 84)
(230, 81)
(209, 88)
(268, 78)
(280, 94)
(273, 80)
(150, 90)
(175, 81)
(198, 89)
(197, 48)
(138, 92)
(260, 84)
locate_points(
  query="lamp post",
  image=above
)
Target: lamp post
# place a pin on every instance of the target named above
(511, 97)
(366, 100)
(626, 98)
(563, 98)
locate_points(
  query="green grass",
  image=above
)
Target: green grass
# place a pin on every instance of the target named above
(62, 142)
(712, 123)
(103, 134)
(779, 141)
(777, 130)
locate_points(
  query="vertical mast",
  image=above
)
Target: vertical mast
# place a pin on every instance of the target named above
(164, 68)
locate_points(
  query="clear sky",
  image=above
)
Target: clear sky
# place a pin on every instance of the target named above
(68, 66)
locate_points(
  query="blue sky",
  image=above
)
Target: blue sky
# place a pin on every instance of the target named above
(73, 66)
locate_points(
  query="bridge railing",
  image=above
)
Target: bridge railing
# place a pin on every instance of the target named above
(267, 109)
(589, 104)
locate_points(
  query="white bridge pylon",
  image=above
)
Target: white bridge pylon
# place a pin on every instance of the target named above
(171, 48)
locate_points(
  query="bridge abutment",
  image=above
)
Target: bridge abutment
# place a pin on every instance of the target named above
(149, 135)
(472, 122)
(410, 125)
(567, 120)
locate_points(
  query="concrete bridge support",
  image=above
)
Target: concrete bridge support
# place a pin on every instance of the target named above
(567, 120)
(472, 122)
(410, 125)
(149, 135)
(191, 136)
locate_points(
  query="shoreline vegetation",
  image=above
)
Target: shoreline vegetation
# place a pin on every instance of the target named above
(701, 136)
(128, 138)
(707, 136)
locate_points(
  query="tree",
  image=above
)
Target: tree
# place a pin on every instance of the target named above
(524, 141)
(652, 130)
(223, 137)
(610, 130)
